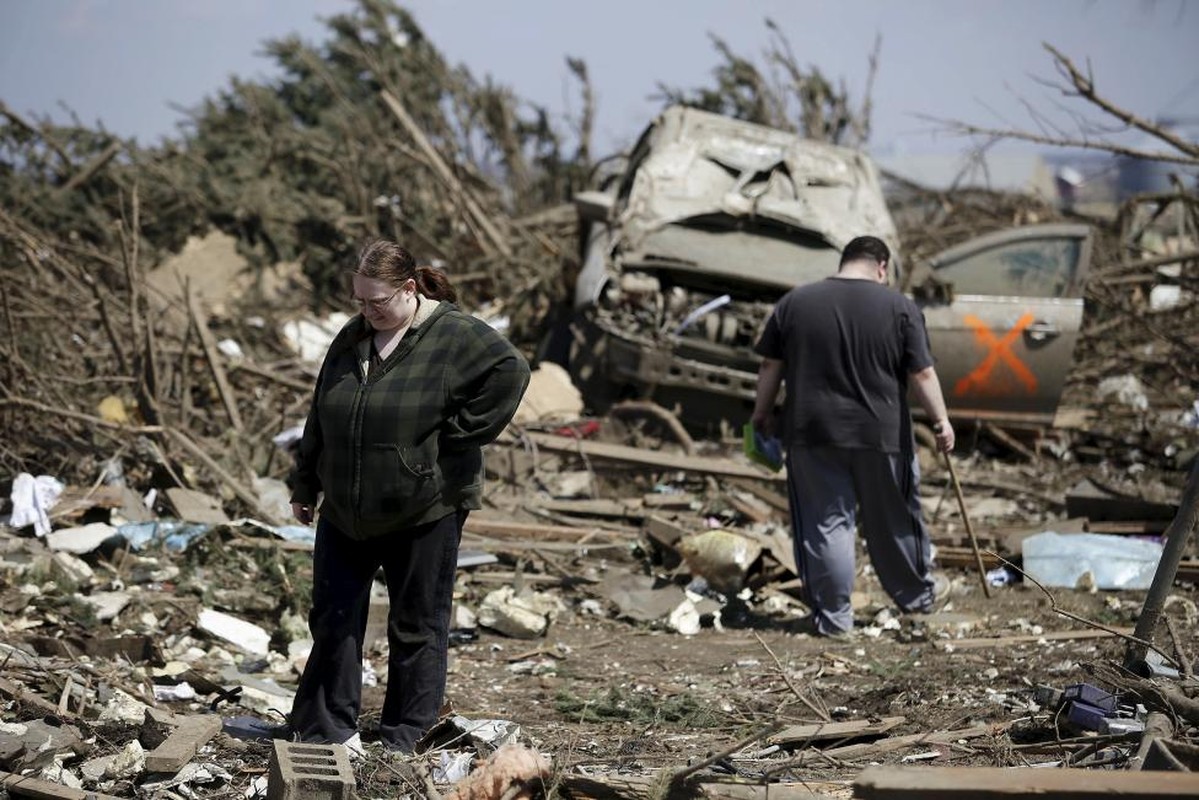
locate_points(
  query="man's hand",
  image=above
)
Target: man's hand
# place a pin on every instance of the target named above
(770, 379)
(302, 513)
(763, 422)
(945, 437)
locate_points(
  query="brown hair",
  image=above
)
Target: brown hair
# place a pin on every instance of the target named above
(387, 261)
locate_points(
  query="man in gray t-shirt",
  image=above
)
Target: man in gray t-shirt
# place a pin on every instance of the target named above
(847, 348)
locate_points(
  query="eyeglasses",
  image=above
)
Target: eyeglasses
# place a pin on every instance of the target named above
(375, 303)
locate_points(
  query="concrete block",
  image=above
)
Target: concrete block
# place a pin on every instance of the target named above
(310, 772)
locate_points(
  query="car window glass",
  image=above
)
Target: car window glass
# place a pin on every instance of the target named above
(1027, 267)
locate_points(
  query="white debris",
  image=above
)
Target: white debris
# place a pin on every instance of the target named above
(32, 498)
(1085, 560)
(128, 763)
(286, 438)
(310, 339)
(107, 605)
(123, 707)
(524, 616)
(462, 618)
(230, 348)
(83, 539)
(491, 732)
(685, 618)
(1164, 296)
(452, 766)
(1126, 389)
(55, 772)
(180, 692)
(246, 635)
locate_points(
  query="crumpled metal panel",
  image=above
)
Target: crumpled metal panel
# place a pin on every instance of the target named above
(704, 164)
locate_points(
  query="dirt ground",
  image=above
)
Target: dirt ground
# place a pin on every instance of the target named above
(620, 704)
(609, 697)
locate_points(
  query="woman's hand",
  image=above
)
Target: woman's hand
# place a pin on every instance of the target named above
(302, 513)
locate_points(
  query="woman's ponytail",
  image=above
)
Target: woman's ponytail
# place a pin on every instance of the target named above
(434, 284)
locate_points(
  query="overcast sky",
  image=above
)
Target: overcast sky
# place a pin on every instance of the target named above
(126, 62)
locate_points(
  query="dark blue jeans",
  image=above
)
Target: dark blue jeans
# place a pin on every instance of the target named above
(419, 565)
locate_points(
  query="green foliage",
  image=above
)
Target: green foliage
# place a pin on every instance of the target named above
(780, 93)
(304, 166)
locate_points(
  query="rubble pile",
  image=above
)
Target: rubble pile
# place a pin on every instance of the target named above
(628, 615)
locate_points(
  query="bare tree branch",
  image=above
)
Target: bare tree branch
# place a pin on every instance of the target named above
(1085, 86)
(1088, 144)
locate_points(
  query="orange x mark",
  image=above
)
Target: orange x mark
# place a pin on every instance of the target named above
(981, 380)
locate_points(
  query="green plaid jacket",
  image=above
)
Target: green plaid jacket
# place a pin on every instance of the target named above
(402, 445)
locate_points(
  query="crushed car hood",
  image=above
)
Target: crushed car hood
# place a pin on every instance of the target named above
(711, 170)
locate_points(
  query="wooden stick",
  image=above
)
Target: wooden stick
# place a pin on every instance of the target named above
(236, 486)
(214, 361)
(437, 163)
(92, 167)
(978, 558)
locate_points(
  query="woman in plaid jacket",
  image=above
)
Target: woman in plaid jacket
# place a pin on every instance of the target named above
(410, 391)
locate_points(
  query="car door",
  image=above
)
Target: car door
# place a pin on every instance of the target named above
(1003, 337)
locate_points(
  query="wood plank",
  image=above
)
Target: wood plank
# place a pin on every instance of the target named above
(21, 786)
(665, 532)
(1146, 527)
(193, 506)
(1049, 636)
(963, 557)
(981, 783)
(532, 530)
(764, 494)
(1089, 499)
(753, 508)
(612, 786)
(612, 509)
(893, 743)
(649, 458)
(29, 698)
(183, 743)
(669, 502)
(824, 731)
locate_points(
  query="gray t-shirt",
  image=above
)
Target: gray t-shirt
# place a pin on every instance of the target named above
(848, 347)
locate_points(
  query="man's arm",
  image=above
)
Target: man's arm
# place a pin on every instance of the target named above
(770, 378)
(928, 391)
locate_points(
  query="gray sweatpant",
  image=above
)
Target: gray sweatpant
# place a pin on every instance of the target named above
(827, 487)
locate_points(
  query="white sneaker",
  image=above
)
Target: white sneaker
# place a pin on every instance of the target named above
(354, 745)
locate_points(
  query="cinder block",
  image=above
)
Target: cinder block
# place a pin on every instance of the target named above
(310, 772)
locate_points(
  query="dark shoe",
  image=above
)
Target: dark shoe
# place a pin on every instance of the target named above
(253, 728)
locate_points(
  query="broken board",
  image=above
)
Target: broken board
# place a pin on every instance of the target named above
(800, 735)
(192, 506)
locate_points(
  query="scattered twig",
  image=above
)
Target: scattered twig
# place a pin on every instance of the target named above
(818, 710)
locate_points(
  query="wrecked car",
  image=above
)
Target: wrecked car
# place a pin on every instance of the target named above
(685, 253)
